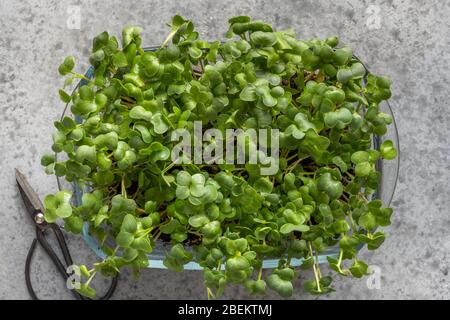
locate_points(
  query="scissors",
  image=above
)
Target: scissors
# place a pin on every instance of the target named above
(36, 210)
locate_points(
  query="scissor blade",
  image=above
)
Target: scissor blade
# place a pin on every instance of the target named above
(29, 196)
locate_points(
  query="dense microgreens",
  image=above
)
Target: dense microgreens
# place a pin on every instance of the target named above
(318, 95)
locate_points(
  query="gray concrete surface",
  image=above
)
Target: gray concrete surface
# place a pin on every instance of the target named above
(406, 40)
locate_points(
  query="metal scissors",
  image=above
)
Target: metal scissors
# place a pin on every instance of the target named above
(36, 210)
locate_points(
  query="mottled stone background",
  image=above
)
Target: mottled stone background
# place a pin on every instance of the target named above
(404, 39)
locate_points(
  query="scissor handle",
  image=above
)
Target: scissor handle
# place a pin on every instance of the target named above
(41, 238)
(62, 244)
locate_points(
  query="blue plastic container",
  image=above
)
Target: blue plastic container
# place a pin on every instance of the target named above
(385, 192)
